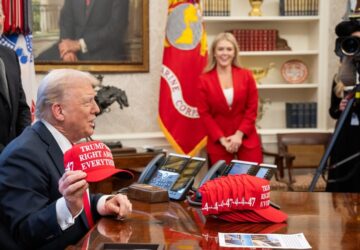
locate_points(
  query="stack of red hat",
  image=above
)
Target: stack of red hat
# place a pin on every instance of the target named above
(239, 198)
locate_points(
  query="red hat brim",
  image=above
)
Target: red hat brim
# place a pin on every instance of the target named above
(101, 173)
(264, 215)
(271, 214)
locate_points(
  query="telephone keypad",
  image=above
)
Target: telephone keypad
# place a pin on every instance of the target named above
(164, 179)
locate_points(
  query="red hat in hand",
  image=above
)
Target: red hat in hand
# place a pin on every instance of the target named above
(248, 200)
(95, 159)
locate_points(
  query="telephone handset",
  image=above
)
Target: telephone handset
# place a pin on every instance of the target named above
(218, 169)
(175, 173)
(215, 171)
(151, 167)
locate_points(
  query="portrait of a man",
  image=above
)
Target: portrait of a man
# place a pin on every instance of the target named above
(87, 30)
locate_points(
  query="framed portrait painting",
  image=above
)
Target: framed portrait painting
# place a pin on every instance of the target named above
(105, 36)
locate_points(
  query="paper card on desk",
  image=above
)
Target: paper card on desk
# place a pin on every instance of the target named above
(275, 241)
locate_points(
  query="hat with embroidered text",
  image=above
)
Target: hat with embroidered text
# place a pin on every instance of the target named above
(95, 159)
(247, 201)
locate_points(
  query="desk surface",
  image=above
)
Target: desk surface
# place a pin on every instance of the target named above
(328, 221)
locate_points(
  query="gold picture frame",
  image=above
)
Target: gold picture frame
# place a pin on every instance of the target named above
(46, 34)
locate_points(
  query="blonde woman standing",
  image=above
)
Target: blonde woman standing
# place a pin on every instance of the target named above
(228, 104)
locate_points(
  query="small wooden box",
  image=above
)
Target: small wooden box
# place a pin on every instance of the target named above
(147, 193)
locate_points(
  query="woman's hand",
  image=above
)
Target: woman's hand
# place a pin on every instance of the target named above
(225, 143)
(235, 141)
(343, 104)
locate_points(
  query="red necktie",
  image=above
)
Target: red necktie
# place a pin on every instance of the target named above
(87, 208)
(87, 2)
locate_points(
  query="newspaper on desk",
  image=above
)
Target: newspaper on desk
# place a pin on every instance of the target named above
(276, 241)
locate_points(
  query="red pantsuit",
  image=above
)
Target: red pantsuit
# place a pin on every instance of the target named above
(221, 120)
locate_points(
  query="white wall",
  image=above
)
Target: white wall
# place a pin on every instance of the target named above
(137, 125)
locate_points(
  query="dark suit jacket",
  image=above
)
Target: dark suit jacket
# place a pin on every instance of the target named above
(14, 120)
(103, 29)
(30, 167)
(220, 120)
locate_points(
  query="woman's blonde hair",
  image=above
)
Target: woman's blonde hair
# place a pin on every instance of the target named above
(220, 37)
(339, 87)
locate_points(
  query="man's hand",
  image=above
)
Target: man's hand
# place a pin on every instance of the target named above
(118, 205)
(70, 57)
(72, 186)
(67, 45)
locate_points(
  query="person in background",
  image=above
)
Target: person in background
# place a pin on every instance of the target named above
(91, 30)
(14, 112)
(228, 101)
(41, 207)
(345, 145)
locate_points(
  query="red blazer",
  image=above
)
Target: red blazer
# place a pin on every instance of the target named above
(221, 120)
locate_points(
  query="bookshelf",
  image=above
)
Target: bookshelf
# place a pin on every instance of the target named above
(307, 37)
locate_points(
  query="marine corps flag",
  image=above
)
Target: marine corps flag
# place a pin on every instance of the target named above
(185, 54)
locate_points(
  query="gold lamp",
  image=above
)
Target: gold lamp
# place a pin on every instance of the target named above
(261, 72)
(255, 5)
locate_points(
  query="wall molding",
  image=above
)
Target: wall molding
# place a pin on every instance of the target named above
(137, 140)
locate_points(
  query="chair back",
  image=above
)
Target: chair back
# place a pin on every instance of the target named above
(308, 148)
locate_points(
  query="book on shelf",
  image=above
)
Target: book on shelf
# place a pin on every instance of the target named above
(281, 8)
(216, 8)
(301, 115)
(313, 115)
(256, 39)
(298, 7)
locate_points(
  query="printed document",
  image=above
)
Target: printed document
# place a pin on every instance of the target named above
(275, 241)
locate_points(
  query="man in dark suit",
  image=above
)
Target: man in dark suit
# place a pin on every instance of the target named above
(41, 207)
(14, 111)
(91, 30)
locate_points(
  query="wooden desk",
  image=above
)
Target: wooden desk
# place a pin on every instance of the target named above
(124, 158)
(328, 221)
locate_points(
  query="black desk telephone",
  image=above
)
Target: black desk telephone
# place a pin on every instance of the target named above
(175, 173)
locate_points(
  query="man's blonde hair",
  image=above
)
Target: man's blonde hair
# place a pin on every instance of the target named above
(52, 89)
